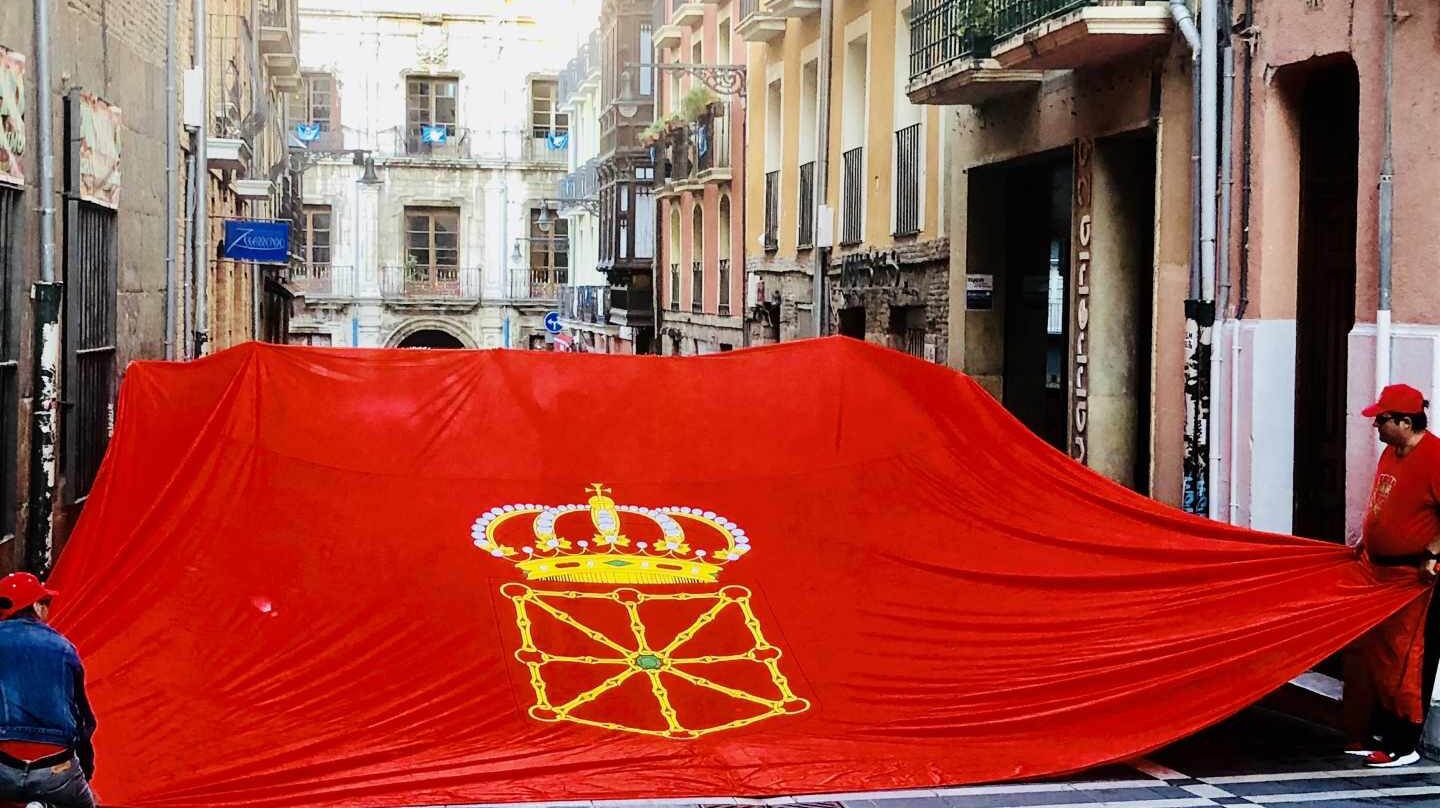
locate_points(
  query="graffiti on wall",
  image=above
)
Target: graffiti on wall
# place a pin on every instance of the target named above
(1083, 216)
(99, 130)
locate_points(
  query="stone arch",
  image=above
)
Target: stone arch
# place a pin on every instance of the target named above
(408, 331)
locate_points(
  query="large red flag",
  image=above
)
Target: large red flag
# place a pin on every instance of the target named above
(361, 578)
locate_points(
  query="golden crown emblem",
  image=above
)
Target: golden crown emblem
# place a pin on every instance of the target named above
(606, 554)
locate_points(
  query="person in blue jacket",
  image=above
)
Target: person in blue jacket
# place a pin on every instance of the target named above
(45, 720)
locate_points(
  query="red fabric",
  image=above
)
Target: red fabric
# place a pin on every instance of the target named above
(277, 586)
(1393, 654)
(29, 752)
(1404, 513)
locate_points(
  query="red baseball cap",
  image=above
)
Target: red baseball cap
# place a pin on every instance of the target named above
(21, 590)
(1401, 398)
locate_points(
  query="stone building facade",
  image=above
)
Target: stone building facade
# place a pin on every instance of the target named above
(439, 138)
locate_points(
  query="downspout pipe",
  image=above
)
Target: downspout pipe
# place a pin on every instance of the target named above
(172, 156)
(1218, 455)
(822, 162)
(46, 296)
(1387, 211)
(1185, 21)
(202, 187)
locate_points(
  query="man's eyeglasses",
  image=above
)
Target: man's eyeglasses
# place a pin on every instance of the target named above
(1384, 417)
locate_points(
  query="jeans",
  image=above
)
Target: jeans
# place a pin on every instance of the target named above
(57, 782)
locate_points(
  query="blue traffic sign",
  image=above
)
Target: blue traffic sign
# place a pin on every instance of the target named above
(552, 322)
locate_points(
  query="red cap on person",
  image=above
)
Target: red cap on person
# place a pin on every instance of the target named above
(21, 590)
(1401, 398)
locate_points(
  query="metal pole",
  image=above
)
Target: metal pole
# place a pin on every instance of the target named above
(1387, 210)
(1217, 456)
(822, 161)
(202, 188)
(47, 297)
(172, 156)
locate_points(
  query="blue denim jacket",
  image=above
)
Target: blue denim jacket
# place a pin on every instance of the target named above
(42, 689)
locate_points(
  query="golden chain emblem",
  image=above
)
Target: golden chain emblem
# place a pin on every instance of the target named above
(693, 548)
(639, 657)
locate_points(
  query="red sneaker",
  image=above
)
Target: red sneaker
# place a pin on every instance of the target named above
(1390, 760)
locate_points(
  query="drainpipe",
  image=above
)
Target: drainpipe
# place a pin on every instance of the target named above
(1222, 304)
(1200, 307)
(202, 187)
(822, 162)
(46, 295)
(172, 154)
(1387, 210)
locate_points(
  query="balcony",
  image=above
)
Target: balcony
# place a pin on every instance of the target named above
(441, 286)
(852, 230)
(277, 28)
(795, 8)
(538, 284)
(545, 151)
(453, 145)
(724, 267)
(675, 286)
(908, 152)
(697, 286)
(758, 23)
(805, 238)
(585, 304)
(712, 148)
(321, 281)
(972, 51)
(772, 211)
(668, 36)
(632, 307)
(687, 12)
(581, 184)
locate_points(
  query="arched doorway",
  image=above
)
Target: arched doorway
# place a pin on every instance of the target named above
(431, 338)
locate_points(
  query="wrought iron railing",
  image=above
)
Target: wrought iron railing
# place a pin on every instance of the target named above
(417, 282)
(323, 280)
(749, 8)
(946, 31)
(724, 303)
(585, 304)
(675, 286)
(772, 211)
(697, 286)
(907, 181)
(806, 236)
(852, 230)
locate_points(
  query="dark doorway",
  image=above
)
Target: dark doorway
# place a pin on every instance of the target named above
(1329, 100)
(1037, 282)
(852, 322)
(431, 338)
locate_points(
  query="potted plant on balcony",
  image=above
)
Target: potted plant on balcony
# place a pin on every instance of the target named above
(977, 26)
(697, 104)
(651, 134)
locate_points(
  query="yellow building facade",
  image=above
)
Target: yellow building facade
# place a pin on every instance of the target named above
(877, 222)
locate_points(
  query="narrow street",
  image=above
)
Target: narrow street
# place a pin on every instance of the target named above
(1257, 758)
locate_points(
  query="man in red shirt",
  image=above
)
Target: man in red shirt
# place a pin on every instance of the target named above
(1401, 537)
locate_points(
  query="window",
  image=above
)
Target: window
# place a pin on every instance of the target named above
(432, 247)
(9, 357)
(723, 235)
(315, 239)
(907, 180)
(430, 103)
(313, 339)
(546, 119)
(647, 53)
(697, 258)
(91, 258)
(314, 103)
(549, 254)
